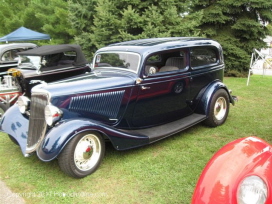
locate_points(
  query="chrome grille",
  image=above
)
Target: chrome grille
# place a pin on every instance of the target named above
(107, 104)
(37, 124)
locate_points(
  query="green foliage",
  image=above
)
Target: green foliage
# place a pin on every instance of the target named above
(238, 25)
(10, 19)
(115, 21)
(45, 16)
(54, 15)
(81, 17)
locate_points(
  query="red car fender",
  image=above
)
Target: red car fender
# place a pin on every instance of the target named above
(220, 179)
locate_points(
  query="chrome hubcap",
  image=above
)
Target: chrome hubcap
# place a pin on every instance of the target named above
(87, 152)
(220, 108)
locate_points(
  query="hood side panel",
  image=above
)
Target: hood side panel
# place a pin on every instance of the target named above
(105, 104)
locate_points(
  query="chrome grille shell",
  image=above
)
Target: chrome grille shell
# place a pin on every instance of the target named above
(37, 125)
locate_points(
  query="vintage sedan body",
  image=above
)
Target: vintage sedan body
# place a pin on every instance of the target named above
(46, 63)
(239, 173)
(138, 92)
(9, 55)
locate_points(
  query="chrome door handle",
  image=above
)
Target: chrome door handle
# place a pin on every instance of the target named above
(145, 87)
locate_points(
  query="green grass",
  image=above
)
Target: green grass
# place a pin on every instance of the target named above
(164, 172)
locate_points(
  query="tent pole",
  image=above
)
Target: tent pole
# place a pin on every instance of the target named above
(252, 56)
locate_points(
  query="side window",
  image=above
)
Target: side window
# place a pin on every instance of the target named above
(166, 62)
(10, 55)
(58, 60)
(67, 58)
(154, 59)
(202, 56)
(152, 64)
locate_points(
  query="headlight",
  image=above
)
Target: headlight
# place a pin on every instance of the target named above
(52, 114)
(23, 104)
(252, 190)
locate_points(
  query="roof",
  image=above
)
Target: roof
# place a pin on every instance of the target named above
(54, 49)
(156, 41)
(159, 44)
(6, 47)
(24, 34)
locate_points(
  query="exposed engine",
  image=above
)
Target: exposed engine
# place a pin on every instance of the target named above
(9, 90)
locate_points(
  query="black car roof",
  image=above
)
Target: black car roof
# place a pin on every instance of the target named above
(156, 41)
(157, 44)
(54, 49)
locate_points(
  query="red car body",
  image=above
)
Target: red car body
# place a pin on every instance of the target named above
(222, 176)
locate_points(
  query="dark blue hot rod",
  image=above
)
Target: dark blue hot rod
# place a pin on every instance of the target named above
(138, 92)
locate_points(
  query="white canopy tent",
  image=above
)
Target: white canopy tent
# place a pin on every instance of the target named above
(259, 62)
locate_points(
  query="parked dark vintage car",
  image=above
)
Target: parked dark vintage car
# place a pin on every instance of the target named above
(46, 63)
(8, 54)
(139, 92)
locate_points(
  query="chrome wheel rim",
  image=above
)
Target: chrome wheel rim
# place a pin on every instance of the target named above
(220, 108)
(87, 152)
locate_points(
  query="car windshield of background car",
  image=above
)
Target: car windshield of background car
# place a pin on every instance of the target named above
(119, 60)
(10, 55)
(29, 62)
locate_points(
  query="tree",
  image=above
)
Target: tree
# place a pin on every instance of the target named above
(45, 16)
(101, 22)
(51, 17)
(81, 18)
(11, 15)
(238, 25)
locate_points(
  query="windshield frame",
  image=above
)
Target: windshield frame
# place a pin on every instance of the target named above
(117, 68)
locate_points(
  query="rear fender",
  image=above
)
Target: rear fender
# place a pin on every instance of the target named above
(205, 96)
(57, 138)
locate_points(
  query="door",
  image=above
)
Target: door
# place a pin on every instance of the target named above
(163, 93)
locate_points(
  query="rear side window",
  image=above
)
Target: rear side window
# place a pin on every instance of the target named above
(154, 58)
(203, 56)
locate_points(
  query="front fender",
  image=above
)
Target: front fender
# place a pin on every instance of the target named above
(220, 179)
(15, 124)
(205, 96)
(56, 139)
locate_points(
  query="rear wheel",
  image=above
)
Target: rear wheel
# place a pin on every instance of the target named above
(219, 109)
(82, 155)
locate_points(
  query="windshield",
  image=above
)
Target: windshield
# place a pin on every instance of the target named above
(121, 60)
(29, 62)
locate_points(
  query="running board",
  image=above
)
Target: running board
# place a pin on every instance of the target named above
(162, 131)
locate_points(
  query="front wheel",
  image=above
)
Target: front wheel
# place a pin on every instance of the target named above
(219, 109)
(82, 155)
